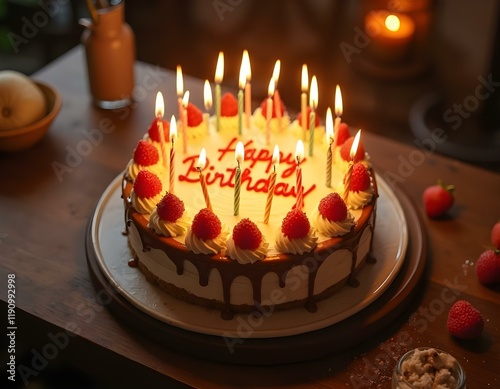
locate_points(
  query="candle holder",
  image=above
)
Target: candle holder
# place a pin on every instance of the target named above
(392, 38)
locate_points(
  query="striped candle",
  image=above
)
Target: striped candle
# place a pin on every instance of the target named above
(299, 154)
(173, 136)
(272, 184)
(239, 156)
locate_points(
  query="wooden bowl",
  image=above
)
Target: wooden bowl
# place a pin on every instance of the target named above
(25, 137)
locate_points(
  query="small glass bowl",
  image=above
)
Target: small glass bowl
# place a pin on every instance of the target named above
(400, 382)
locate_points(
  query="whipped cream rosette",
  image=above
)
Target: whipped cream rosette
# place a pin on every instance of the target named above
(360, 191)
(146, 157)
(295, 235)
(331, 217)
(247, 244)
(147, 192)
(207, 235)
(169, 217)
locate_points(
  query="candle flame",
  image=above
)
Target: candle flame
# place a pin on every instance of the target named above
(159, 105)
(246, 60)
(202, 159)
(207, 95)
(338, 102)
(239, 153)
(270, 89)
(276, 156)
(219, 70)
(392, 23)
(185, 99)
(329, 125)
(173, 129)
(305, 79)
(313, 96)
(299, 151)
(276, 71)
(179, 82)
(355, 143)
(243, 73)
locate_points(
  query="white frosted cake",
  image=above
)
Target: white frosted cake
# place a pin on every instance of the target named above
(240, 263)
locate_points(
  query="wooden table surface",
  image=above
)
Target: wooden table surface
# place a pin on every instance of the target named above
(48, 194)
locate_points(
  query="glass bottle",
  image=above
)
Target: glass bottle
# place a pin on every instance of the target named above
(110, 55)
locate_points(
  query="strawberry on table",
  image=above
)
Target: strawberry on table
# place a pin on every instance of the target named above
(438, 199)
(465, 321)
(488, 267)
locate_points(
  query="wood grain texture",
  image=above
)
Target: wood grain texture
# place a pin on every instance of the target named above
(43, 222)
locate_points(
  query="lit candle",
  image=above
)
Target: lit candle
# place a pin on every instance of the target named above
(173, 136)
(313, 101)
(242, 81)
(207, 99)
(269, 110)
(329, 141)
(239, 156)
(159, 109)
(219, 74)
(338, 114)
(348, 175)
(248, 88)
(272, 184)
(185, 102)
(277, 98)
(304, 84)
(202, 160)
(179, 82)
(391, 35)
(299, 155)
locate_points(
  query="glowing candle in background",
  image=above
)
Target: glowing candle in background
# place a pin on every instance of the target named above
(348, 175)
(299, 189)
(159, 110)
(272, 184)
(304, 84)
(248, 88)
(179, 82)
(173, 137)
(202, 161)
(219, 75)
(242, 81)
(185, 102)
(338, 113)
(239, 156)
(207, 99)
(269, 110)
(329, 141)
(277, 98)
(391, 35)
(313, 100)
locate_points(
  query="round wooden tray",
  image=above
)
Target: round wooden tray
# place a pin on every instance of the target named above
(287, 349)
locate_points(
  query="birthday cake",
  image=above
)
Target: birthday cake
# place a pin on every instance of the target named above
(242, 218)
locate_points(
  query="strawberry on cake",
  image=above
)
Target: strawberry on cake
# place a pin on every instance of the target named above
(296, 236)
(247, 244)
(206, 235)
(331, 217)
(146, 192)
(169, 217)
(145, 157)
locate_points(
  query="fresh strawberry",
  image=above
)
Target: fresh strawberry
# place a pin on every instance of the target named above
(488, 267)
(308, 118)
(194, 115)
(145, 154)
(147, 184)
(263, 107)
(465, 321)
(154, 133)
(295, 224)
(345, 150)
(343, 134)
(246, 235)
(332, 207)
(228, 105)
(360, 179)
(495, 235)
(438, 199)
(206, 225)
(170, 208)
